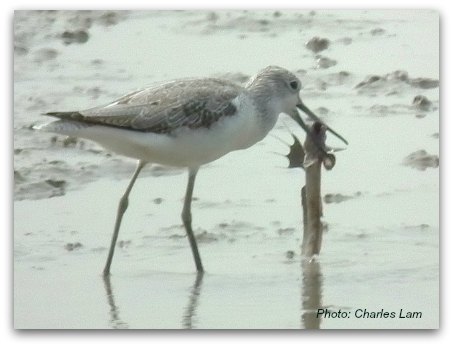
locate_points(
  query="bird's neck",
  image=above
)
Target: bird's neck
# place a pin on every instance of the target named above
(265, 109)
(264, 102)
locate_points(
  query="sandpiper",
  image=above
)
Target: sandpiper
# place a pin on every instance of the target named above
(186, 123)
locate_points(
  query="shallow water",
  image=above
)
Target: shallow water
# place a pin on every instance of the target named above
(380, 250)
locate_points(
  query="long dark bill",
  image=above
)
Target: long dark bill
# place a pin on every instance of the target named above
(307, 111)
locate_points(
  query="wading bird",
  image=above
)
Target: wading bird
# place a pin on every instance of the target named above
(186, 123)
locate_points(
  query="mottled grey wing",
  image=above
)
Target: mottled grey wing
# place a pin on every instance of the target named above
(184, 103)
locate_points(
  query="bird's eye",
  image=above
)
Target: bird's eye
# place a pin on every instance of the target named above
(294, 85)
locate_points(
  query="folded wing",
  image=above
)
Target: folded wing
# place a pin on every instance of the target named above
(163, 109)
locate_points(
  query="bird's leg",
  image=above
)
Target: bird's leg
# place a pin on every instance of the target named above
(187, 219)
(122, 207)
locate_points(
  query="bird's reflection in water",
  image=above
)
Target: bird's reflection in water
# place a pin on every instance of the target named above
(311, 293)
(115, 322)
(191, 308)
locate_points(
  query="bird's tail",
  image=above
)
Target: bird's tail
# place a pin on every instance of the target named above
(74, 115)
(66, 125)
